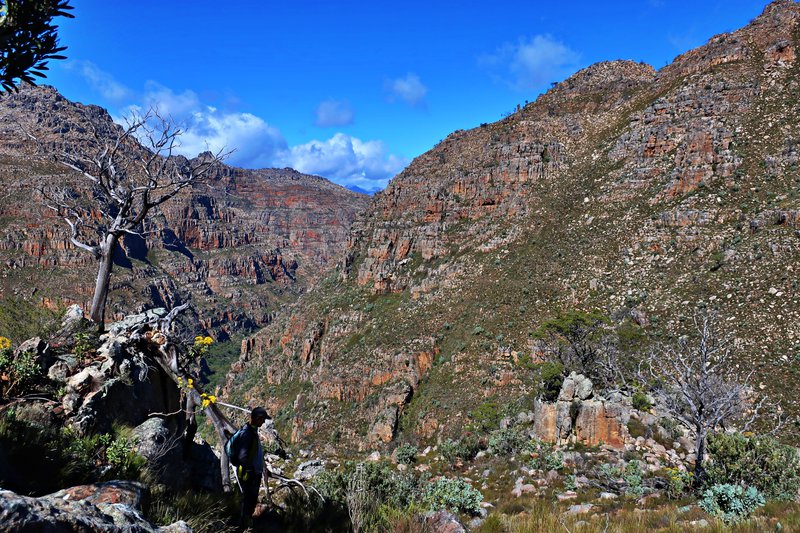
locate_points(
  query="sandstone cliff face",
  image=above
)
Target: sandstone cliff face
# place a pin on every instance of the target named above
(240, 245)
(639, 192)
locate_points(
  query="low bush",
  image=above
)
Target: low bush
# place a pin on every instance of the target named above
(543, 457)
(43, 459)
(757, 461)
(678, 482)
(634, 479)
(731, 503)
(465, 449)
(551, 378)
(398, 489)
(406, 454)
(452, 494)
(641, 402)
(17, 373)
(507, 442)
(486, 417)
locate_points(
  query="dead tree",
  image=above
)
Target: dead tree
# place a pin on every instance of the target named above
(695, 380)
(127, 173)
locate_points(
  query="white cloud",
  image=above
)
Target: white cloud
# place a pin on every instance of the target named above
(409, 89)
(532, 63)
(168, 102)
(257, 144)
(334, 113)
(346, 160)
(101, 81)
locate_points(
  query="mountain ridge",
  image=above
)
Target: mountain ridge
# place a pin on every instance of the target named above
(637, 192)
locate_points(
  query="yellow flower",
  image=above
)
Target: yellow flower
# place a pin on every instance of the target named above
(208, 341)
(5, 343)
(198, 339)
(191, 383)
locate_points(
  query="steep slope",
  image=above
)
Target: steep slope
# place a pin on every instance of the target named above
(240, 246)
(636, 192)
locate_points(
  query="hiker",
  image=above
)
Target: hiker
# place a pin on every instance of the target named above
(250, 457)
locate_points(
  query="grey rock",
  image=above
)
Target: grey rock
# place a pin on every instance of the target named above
(580, 509)
(59, 371)
(525, 417)
(133, 323)
(444, 522)
(86, 508)
(309, 469)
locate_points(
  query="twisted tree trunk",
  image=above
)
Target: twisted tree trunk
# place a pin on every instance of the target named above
(106, 256)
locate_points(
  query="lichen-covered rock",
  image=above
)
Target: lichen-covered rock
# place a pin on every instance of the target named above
(110, 506)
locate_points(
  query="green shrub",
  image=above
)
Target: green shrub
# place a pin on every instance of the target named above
(83, 346)
(44, 459)
(678, 482)
(124, 461)
(18, 373)
(543, 457)
(486, 417)
(757, 461)
(452, 494)
(634, 479)
(641, 402)
(731, 503)
(398, 489)
(506, 441)
(551, 378)
(406, 454)
(465, 449)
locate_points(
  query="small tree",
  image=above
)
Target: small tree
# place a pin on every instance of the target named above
(28, 38)
(585, 342)
(695, 380)
(126, 181)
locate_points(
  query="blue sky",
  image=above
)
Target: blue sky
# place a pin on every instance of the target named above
(353, 90)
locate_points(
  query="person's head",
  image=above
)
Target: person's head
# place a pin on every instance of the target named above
(258, 416)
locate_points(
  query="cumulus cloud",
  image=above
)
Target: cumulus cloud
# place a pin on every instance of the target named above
(531, 63)
(343, 159)
(101, 81)
(346, 160)
(408, 89)
(334, 113)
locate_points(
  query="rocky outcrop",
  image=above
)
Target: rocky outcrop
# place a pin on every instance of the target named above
(114, 505)
(239, 245)
(580, 416)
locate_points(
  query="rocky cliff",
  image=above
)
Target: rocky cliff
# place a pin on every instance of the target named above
(641, 193)
(240, 246)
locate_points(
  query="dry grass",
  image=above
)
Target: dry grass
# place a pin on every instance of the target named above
(545, 517)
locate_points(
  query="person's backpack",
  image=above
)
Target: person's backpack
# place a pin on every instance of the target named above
(233, 445)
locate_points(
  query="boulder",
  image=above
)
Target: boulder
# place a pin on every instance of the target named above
(309, 469)
(98, 508)
(598, 423)
(39, 348)
(575, 386)
(444, 522)
(198, 468)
